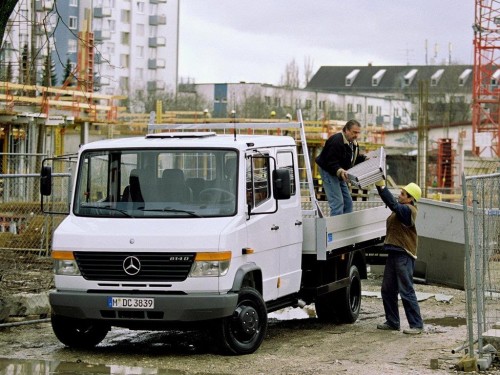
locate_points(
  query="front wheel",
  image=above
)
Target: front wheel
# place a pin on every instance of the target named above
(244, 331)
(78, 333)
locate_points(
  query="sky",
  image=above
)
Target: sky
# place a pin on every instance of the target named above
(254, 40)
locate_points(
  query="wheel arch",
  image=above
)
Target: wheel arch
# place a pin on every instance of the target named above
(248, 274)
(358, 259)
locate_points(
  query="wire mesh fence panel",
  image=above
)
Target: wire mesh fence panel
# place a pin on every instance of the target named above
(25, 231)
(481, 198)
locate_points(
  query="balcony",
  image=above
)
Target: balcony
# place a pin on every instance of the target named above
(102, 35)
(158, 41)
(157, 20)
(156, 85)
(156, 63)
(102, 12)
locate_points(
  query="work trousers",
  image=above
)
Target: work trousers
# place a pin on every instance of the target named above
(337, 193)
(398, 278)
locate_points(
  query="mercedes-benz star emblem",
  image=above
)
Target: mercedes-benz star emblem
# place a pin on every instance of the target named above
(131, 265)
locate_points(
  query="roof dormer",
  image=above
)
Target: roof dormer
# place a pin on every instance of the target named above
(377, 77)
(464, 77)
(349, 80)
(436, 77)
(409, 77)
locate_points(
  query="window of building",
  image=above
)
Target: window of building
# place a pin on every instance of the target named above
(72, 46)
(359, 109)
(111, 25)
(350, 108)
(464, 77)
(124, 60)
(140, 29)
(309, 103)
(73, 3)
(349, 80)
(267, 100)
(125, 39)
(436, 77)
(396, 112)
(277, 102)
(140, 6)
(124, 84)
(370, 110)
(379, 111)
(73, 23)
(125, 16)
(139, 52)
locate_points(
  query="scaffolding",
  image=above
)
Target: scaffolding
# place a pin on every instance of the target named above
(486, 91)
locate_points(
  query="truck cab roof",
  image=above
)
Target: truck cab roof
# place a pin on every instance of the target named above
(193, 139)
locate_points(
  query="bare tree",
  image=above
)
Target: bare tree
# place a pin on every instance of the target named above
(308, 69)
(6, 10)
(291, 77)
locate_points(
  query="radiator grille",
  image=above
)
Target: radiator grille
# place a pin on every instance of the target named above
(153, 267)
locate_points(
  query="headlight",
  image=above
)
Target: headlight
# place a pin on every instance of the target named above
(65, 263)
(211, 264)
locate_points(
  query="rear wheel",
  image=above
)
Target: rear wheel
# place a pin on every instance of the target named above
(244, 331)
(342, 305)
(78, 333)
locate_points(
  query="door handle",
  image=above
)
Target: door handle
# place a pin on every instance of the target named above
(275, 227)
(298, 222)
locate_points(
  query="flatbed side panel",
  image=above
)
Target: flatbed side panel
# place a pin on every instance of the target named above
(324, 235)
(355, 227)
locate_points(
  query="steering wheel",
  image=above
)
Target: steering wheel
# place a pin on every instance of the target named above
(216, 195)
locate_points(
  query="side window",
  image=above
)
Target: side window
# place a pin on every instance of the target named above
(285, 161)
(258, 184)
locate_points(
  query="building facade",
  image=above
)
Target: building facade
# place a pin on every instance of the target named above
(135, 43)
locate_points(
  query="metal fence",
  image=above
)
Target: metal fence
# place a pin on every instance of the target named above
(481, 202)
(25, 232)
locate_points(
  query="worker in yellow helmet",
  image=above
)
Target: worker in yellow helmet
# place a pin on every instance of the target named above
(401, 246)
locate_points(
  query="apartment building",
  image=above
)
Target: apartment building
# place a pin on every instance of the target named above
(135, 43)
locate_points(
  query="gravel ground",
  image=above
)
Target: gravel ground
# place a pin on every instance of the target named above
(296, 343)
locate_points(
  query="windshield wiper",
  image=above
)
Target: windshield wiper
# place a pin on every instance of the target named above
(167, 209)
(108, 208)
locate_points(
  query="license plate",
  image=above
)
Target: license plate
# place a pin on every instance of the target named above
(131, 303)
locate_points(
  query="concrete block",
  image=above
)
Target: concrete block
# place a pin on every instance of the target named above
(467, 364)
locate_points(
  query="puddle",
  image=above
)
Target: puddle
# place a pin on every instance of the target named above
(35, 367)
(447, 321)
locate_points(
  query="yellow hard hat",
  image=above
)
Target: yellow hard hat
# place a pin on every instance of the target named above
(414, 190)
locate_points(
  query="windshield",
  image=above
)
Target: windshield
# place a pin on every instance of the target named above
(157, 183)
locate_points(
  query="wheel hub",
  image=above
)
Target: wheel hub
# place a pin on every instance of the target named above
(248, 319)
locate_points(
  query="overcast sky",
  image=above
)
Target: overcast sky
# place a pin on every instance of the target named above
(253, 40)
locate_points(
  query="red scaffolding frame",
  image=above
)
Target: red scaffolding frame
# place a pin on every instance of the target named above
(486, 84)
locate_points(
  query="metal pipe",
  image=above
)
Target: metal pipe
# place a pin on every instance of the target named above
(26, 322)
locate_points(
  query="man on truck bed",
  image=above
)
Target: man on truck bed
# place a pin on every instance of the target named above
(340, 153)
(401, 245)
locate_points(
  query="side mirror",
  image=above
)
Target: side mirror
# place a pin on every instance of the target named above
(46, 181)
(281, 184)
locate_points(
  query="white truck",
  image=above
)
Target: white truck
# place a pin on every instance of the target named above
(196, 227)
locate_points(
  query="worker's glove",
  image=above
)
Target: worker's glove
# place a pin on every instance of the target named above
(380, 183)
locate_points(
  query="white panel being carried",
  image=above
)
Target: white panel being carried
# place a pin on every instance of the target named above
(370, 171)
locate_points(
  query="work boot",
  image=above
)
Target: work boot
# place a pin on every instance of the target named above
(413, 331)
(387, 327)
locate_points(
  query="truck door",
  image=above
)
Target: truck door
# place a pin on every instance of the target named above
(290, 217)
(272, 233)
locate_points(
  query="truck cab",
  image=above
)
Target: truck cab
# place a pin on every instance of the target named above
(178, 228)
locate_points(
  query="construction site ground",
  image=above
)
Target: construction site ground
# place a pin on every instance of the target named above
(296, 343)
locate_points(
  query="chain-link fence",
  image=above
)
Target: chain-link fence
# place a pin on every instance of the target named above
(25, 232)
(481, 202)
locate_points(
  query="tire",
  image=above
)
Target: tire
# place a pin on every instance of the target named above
(78, 333)
(244, 331)
(344, 305)
(349, 299)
